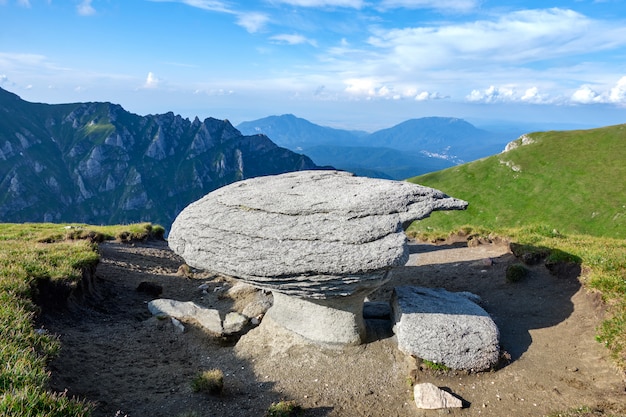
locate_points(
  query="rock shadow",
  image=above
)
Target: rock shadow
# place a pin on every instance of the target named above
(542, 299)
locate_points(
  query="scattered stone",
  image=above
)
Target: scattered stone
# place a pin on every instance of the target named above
(262, 302)
(150, 288)
(445, 328)
(178, 325)
(323, 240)
(234, 323)
(203, 287)
(429, 397)
(241, 289)
(187, 310)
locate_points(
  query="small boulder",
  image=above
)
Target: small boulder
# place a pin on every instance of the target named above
(429, 397)
(446, 328)
(187, 310)
(234, 323)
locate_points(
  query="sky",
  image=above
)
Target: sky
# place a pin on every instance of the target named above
(355, 64)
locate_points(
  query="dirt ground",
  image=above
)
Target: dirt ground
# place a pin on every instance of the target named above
(126, 362)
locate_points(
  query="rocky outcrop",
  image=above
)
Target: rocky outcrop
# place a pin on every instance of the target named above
(445, 328)
(321, 240)
(97, 163)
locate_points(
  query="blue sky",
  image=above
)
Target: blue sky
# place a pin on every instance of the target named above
(347, 63)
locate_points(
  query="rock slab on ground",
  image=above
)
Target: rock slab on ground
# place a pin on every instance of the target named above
(187, 310)
(445, 328)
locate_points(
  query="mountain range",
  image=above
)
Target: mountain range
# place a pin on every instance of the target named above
(100, 164)
(413, 147)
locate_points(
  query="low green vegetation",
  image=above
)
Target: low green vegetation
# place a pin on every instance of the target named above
(210, 382)
(284, 409)
(29, 253)
(559, 197)
(574, 181)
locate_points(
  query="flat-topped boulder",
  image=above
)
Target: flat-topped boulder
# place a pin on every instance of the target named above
(313, 235)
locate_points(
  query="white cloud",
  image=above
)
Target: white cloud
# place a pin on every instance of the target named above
(151, 81)
(520, 37)
(85, 8)
(426, 96)
(355, 4)
(209, 5)
(492, 94)
(24, 3)
(252, 22)
(585, 95)
(615, 95)
(293, 39)
(618, 93)
(453, 5)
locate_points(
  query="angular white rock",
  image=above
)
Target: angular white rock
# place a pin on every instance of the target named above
(429, 397)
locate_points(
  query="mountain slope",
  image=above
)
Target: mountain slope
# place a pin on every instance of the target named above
(376, 162)
(573, 181)
(296, 133)
(447, 137)
(416, 146)
(97, 163)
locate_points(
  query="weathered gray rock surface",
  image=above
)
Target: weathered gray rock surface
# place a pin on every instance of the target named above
(326, 237)
(445, 327)
(187, 310)
(314, 234)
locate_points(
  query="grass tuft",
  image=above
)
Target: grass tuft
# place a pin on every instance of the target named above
(211, 382)
(284, 409)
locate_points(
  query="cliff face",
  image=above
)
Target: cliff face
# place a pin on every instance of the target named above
(97, 163)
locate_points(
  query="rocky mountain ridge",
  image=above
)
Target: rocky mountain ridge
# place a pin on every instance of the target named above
(98, 163)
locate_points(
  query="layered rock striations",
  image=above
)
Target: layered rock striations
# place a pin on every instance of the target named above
(321, 240)
(97, 163)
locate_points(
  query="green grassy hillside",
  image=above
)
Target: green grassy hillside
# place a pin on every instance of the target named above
(572, 181)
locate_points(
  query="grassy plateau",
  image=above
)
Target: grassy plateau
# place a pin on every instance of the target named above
(560, 194)
(29, 253)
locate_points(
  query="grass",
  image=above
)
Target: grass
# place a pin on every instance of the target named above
(573, 181)
(211, 382)
(284, 409)
(28, 253)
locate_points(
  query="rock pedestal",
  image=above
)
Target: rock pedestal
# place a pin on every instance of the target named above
(320, 240)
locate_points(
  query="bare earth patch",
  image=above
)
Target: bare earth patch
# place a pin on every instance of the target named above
(129, 363)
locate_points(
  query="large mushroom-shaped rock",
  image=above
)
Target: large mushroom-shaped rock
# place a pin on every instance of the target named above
(320, 240)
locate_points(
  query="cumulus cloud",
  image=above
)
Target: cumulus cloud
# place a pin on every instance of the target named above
(151, 81)
(371, 88)
(615, 95)
(85, 8)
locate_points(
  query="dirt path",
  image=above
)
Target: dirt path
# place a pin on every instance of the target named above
(116, 355)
